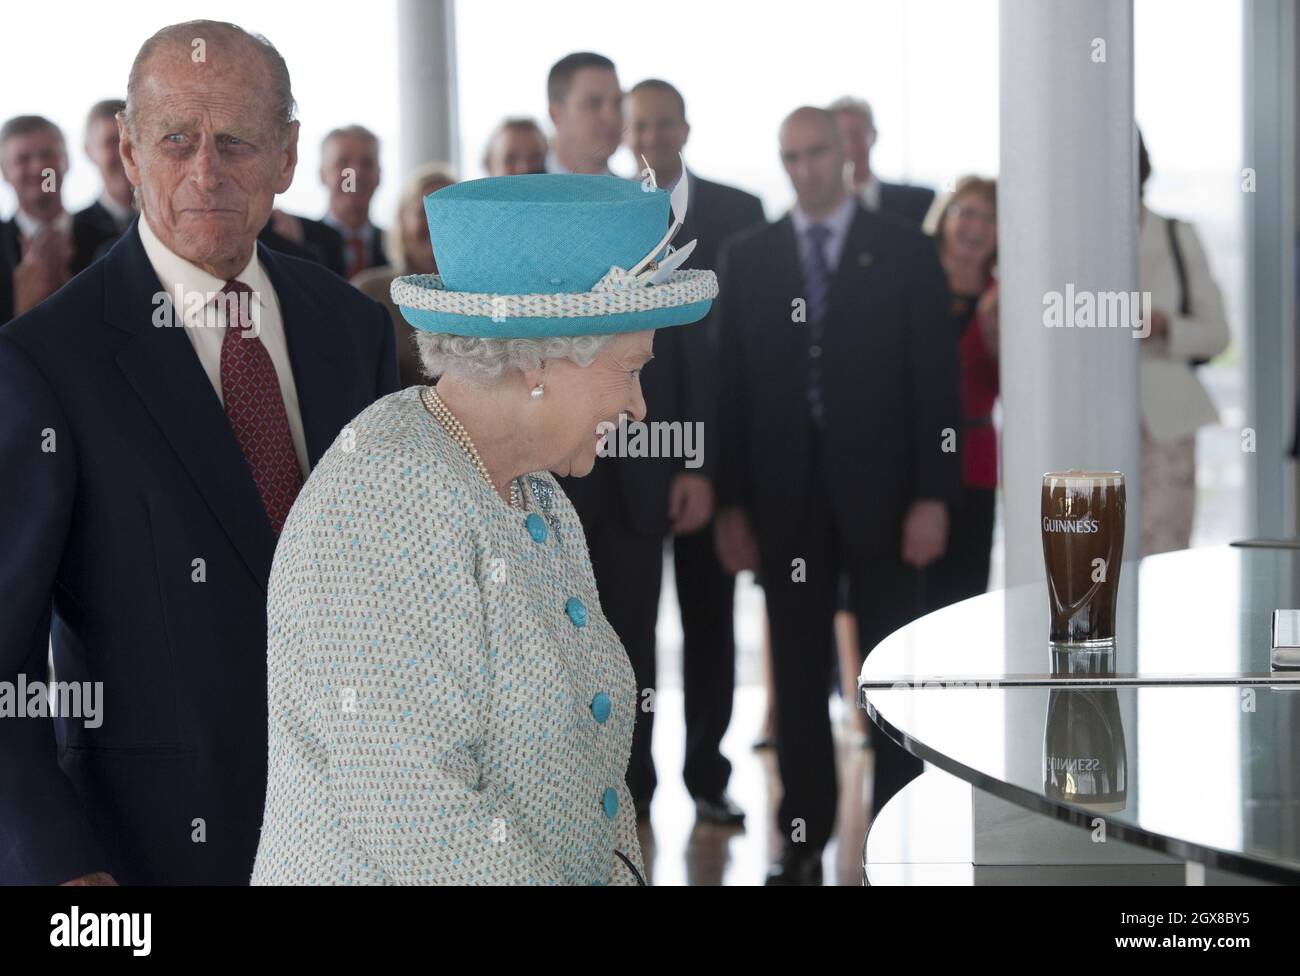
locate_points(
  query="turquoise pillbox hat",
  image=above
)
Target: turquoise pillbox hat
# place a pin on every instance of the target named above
(553, 254)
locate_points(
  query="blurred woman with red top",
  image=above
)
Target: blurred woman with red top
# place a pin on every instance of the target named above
(965, 231)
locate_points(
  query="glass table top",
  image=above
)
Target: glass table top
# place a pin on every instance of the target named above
(1206, 773)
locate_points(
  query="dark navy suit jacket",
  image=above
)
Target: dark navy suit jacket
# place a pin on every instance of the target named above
(679, 385)
(889, 381)
(140, 547)
(911, 203)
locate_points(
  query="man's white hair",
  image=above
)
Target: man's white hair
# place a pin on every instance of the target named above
(854, 106)
(486, 360)
(278, 97)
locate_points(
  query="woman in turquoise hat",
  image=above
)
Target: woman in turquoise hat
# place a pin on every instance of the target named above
(448, 704)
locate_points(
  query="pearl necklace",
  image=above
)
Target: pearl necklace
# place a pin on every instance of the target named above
(433, 403)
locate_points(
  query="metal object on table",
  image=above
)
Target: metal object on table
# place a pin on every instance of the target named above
(1286, 639)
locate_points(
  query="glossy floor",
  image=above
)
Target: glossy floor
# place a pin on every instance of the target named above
(680, 852)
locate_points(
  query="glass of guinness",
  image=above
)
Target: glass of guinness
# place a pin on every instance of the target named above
(1083, 546)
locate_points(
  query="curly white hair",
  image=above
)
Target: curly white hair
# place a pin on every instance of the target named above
(484, 360)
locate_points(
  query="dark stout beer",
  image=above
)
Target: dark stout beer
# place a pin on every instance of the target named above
(1085, 759)
(1083, 545)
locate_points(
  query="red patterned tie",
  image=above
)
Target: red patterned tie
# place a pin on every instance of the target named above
(255, 407)
(357, 261)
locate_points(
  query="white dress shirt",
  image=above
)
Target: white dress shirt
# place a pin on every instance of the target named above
(837, 222)
(30, 226)
(869, 193)
(205, 324)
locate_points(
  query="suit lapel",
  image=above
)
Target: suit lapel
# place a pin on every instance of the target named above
(787, 263)
(162, 368)
(11, 242)
(856, 258)
(787, 281)
(691, 225)
(317, 350)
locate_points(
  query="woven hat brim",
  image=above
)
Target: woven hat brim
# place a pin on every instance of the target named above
(684, 298)
(542, 328)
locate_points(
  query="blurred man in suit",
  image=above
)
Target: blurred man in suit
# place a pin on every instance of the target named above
(345, 239)
(586, 108)
(840, 390)
(37, 247)
(286, 232)
(6, 280)
(349, 168)
(858, 132)
(657, 130)
(107, 219)
(628, 505)
(518, 146)
(157, 419)
(910, 203)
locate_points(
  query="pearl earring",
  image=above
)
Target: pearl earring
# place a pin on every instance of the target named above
(536, 392)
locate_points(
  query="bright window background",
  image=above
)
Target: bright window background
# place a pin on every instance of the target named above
(1189, 101)
(929, 68)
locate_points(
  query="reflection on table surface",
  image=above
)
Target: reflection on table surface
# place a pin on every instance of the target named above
(1211, 773)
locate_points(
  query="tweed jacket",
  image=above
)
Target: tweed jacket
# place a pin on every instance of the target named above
(448, 704)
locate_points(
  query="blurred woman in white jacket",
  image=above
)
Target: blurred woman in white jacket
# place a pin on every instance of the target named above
(1188, 327)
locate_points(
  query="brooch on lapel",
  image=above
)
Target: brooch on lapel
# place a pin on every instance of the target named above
(864, 259)
(544, 492)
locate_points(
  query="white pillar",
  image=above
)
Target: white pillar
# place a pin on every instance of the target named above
(1269, 128)
(1067, 220)
(426, 59)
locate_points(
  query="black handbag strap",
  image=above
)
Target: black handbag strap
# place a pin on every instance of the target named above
(1180, 268)
(1184, 299)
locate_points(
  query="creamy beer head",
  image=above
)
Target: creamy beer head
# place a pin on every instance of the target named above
(1075, 478)
(1082, 522)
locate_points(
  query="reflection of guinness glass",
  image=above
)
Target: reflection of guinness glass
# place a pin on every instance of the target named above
(1083, 545)
(1084, 759)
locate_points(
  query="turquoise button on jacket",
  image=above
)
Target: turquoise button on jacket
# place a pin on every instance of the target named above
(576, 611)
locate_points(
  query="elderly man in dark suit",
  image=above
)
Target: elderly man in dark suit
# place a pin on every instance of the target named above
(657, 130)
(857, 127)
(157, 419)
(839, 411)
